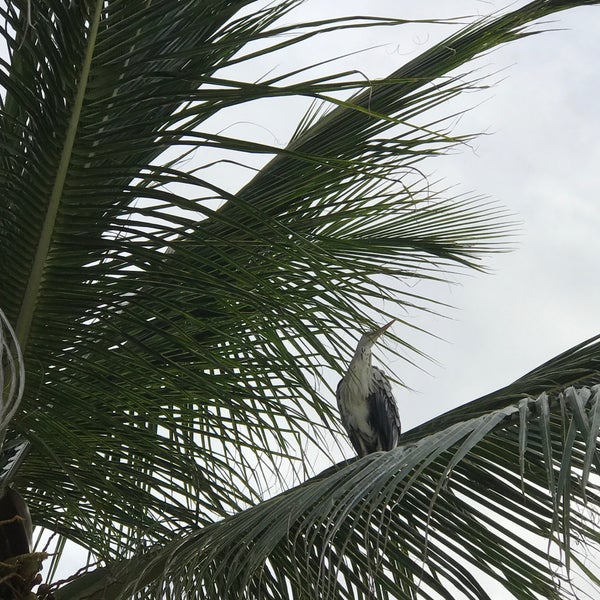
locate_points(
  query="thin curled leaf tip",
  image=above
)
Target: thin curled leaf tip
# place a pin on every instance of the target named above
(12, 373)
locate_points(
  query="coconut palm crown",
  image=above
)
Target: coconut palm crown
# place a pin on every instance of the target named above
(174, 296)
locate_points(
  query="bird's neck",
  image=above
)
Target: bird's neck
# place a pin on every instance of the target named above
(357, 378)
(361, 358)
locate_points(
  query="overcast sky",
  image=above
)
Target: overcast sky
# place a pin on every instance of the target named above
(540, 159)
(542, 162)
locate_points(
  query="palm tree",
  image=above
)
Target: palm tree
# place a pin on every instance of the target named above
(177, 292)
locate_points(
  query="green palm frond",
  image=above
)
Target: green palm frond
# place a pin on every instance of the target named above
(173, 329)
(507, 491)
(148, 374)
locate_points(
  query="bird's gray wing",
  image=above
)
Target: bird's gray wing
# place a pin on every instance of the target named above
(356, 441)
(383, 410)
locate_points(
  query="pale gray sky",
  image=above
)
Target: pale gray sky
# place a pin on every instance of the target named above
(539, 158)
(541, 161)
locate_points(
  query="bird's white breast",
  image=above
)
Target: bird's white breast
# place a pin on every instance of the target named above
(354, 392)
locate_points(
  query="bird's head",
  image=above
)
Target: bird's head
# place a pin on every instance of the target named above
(368, 339)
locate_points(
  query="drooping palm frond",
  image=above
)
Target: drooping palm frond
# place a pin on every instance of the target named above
(511, 490)
(149, 375)
(170, 344)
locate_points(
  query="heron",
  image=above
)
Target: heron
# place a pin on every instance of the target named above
(367, 406)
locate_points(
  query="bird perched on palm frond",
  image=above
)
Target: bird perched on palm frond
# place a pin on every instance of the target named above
(365, 400)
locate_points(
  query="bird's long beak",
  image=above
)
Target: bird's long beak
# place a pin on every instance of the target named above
(383, 329)
(369, 338)
(388, 325)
